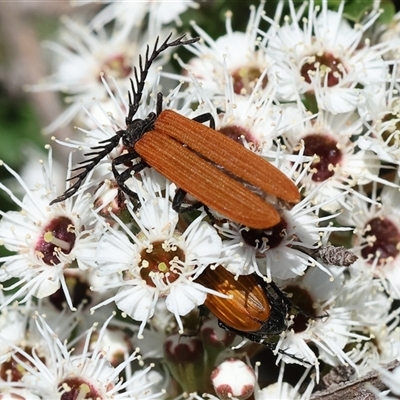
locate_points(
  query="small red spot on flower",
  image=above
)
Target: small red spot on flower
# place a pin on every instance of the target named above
(328, 155)
(183, 351)
(118, 66)
(77, 388)
(270, 237)
(327, 64)
(161, 260)
(384, 238)
(58, 235)
(246, 78)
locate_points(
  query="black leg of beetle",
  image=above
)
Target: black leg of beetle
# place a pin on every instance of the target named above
(213, 220)
(159, 103)
(178, 200)
(284, 353)
(204, 118)
(290, 303)
(177, 205)
(121, 178)
(256, 339)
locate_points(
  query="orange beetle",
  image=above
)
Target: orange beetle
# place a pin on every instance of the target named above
(213, 168)
(255, 309)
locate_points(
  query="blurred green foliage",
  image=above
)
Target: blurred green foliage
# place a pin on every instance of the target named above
(19, 128)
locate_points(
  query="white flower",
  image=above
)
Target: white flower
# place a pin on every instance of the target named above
(282, 390)
(338, 164)
(88, 374)
(13, 321)
(382, 109)
(237, 53)
(252, 120)
(9, 392)
(87, 55)
(326, 57)
(377, 237)
(283, 251)
(46, 239)
(388, 32)
(384, 344)
(21, 334)
(391, 380)
(233, 378)
(163, 11)
(333, 302)
(159, 262)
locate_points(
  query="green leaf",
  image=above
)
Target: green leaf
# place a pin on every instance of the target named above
(19, 129)
(389, 11)
(356, 10)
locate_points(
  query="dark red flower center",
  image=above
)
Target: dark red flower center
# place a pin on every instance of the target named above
(78, 288)
(58, 235)
(330, 69)
(236, 133)
(78, 389)
(303, 301)
(325, 148)
(383, 237)
(13, 370)
(161, 260)
(391, 134)
(246, 78)
(269, 238)
(118, 66)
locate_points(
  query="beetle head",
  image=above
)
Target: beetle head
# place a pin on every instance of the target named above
(136, 129)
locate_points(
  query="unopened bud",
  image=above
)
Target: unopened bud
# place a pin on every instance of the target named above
(212, 335)
(185, 357)
(233, 378)
(109, 197)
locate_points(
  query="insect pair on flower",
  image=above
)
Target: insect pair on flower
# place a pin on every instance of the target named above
(221, 174)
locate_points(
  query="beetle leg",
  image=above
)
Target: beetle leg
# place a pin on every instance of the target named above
(121, 178)
(178, 200)
(257, 339)
(177, 205)
(159, 103)
(204, 118)
(285, 353)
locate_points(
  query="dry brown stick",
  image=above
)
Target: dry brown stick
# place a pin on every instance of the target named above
(355, 389)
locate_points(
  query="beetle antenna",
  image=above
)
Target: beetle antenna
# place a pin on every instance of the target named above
(138, 86)
(88, 165)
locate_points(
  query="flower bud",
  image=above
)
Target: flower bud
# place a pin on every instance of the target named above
(109, 196)
(212, 335)
(185, 357)
(233, 378)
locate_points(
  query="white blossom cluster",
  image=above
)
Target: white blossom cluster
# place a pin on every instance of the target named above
(103, 294)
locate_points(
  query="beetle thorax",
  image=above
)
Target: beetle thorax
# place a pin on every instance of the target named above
(136, 129)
